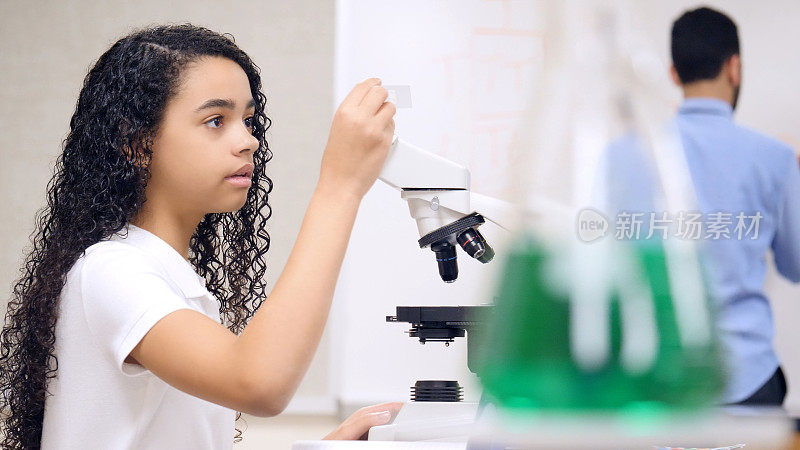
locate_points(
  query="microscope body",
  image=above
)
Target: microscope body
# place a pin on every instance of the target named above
(439, 199)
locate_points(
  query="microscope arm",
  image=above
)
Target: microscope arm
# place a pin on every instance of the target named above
(437, 191)
(497, 211)
(410, 167)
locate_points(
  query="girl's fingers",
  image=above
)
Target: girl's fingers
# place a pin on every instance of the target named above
(362, 425)
(355, 96)
(375, 97)
(392, 407)
(386, 112)
(378, 418)
(358, 424)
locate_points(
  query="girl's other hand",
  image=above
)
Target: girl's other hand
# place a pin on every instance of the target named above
(357, 426)
(359, 141)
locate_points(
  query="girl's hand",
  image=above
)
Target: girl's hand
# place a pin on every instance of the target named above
(359, 141)
(357, 426)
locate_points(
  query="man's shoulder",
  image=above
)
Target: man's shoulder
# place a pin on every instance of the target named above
(763, 143)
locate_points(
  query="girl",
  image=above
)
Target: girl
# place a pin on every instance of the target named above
(138, 321)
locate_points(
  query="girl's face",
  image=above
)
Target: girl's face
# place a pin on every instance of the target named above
(205, 136)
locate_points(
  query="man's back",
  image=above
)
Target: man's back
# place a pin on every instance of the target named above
(748, 189)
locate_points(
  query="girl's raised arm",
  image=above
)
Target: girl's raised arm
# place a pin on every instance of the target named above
(258, 371)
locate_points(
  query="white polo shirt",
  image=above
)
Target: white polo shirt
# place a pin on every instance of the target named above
(113, 295)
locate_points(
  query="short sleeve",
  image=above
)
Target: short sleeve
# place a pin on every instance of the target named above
(124, 295)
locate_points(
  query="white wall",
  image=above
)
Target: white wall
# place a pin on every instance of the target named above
(471, 65)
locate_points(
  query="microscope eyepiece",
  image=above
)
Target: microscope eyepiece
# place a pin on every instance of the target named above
(446, 260)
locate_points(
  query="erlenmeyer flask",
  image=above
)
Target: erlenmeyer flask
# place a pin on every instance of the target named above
(595, 310)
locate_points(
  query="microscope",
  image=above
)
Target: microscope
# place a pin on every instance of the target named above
(448, 215)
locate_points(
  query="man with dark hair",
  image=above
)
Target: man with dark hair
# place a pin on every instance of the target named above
(737, 172)
(705, 55)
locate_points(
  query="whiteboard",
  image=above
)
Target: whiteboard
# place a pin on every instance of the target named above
(471, 66)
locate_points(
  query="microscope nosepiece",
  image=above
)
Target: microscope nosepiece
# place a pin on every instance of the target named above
(465, 232)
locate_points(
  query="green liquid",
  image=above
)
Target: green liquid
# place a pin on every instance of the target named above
(525, 360)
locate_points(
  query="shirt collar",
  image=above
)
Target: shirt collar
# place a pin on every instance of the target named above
(705, 105)
(178, 269)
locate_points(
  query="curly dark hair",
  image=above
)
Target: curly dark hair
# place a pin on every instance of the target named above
(98, 186)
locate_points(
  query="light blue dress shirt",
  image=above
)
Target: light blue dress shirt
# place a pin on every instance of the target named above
(735, 169)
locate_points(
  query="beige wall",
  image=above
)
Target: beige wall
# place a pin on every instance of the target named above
(46, 49)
